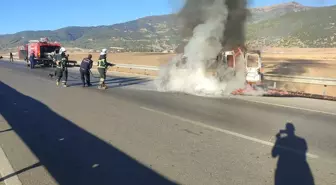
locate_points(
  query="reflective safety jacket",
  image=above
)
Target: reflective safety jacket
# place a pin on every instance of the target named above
(63, 63)
(102, 63)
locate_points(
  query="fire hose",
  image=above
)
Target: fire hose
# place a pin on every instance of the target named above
(99, 76)
(77, 78)
(51, 75)
(93, 75)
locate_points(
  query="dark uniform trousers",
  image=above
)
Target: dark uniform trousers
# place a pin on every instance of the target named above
(85, 76)
(60, 72)
(102, 73)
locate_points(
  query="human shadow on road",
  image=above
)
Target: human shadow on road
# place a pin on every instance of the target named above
(123, 82)
(292, 167)
(71, 154)
(118, 82)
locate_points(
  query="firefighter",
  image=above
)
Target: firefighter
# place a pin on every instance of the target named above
(62, 68)
(32, 60)
(102, 67)
(84, 70)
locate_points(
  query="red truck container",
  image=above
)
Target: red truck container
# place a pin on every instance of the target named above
(44, 51)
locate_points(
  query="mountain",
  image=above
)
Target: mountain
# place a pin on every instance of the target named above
(136, 35)
(287, 24)
(268, 12)
(311, 28)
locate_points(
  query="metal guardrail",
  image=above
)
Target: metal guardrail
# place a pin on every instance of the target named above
(132, 66)
(273, 77)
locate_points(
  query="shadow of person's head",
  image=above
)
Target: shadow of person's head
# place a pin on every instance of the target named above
(290, 129)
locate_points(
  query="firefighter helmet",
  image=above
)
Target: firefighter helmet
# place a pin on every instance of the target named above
(103, 52)
(62, 50)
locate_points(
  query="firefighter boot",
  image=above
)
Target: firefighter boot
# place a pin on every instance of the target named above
(101, 83)
(64, 84)
(105, 86)
(102, 86)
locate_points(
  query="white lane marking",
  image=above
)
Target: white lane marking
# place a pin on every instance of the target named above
(200, 124)
(287, 106)
(6, 169)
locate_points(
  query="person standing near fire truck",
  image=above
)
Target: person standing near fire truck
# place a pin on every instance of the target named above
(62, 68)
(32, 60)
(102, 67)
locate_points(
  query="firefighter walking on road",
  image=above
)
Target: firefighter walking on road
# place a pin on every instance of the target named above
(84, 70)
(102, 67)
(62, 68)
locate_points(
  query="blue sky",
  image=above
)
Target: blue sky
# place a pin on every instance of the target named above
(22, 14)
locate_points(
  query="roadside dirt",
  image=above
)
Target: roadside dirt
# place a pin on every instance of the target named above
(299, 67)
(300, 53)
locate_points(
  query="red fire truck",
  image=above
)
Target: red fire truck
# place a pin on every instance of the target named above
(44, 51)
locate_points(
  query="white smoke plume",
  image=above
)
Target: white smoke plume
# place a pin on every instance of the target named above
(208, 20)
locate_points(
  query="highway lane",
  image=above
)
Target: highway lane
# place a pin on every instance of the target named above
(188, 139)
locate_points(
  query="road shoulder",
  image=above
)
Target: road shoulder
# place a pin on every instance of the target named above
(304, 104)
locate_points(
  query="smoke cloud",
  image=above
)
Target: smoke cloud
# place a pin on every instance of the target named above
(196, 12)
(210, 26)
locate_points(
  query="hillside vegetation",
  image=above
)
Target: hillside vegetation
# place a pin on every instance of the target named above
(282, 25)
(312, 28)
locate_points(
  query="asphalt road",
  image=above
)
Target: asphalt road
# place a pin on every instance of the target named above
(75, 135)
